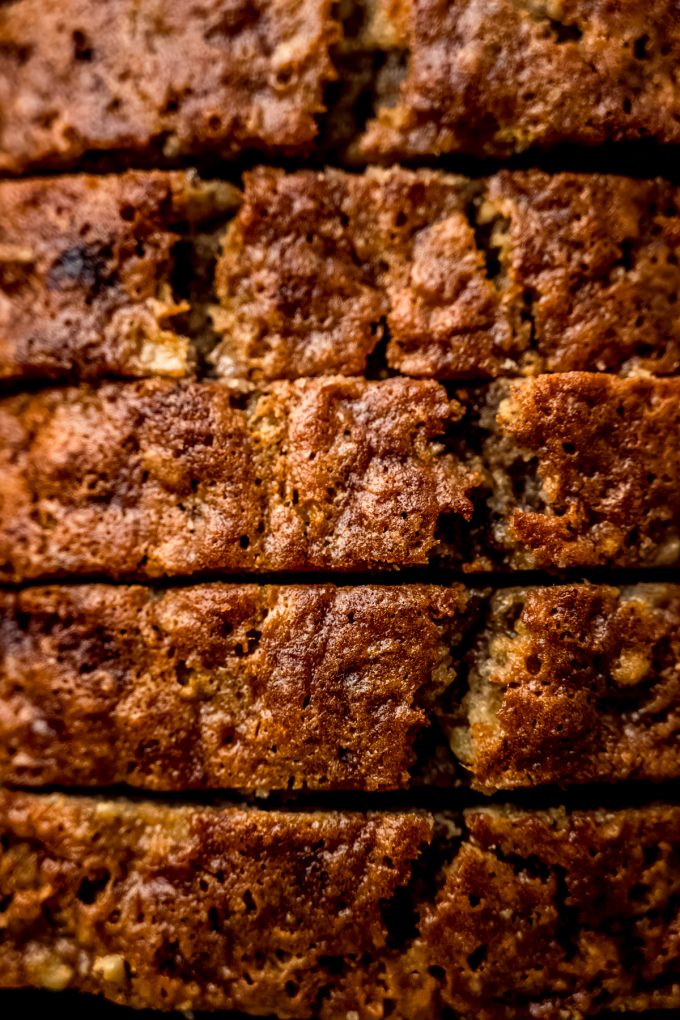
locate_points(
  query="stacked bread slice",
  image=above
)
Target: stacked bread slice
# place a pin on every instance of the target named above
(340, 507)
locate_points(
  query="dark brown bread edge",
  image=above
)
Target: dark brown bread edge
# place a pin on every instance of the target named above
(494, 78)
(107, 275)
(495, 914)
(483, 77)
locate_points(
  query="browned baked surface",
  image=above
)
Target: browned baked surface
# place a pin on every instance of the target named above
(519, 273)
(556, 914)
(513, 913)
(159, 81)
(86, 272)
(493, 77)
(572, 683)
(586, 470)
(318, 266)
(588, 270)
(420, 272)
(237, 686)
(277, 688)
(152, 478)
(174, 907)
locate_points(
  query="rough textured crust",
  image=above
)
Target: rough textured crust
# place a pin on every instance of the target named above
(493, 77)
(572, 683)
(239, 686)
(420, 272)
(78, 78)
(177, 907)
(317, 266)
(86, 272)
(586, 471)
(557, 915)
(519, 273)
(325, 914)
(588, 270)
(278, 688)
(152, 478)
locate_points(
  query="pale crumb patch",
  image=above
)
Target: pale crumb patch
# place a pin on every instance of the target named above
(110, 968)
(631, 668)
(49, 972)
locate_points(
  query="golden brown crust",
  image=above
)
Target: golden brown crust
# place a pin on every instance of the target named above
(317, 687)
(318, 267)
(520, 273)
(573, 683)
(586, 471)
(178, 907)
(589, 263)
(79, 78)
(329, 913)
(240, 686)
(556, 914)
(511, 275)
(86, 269)
(493, 77)
(154, 478)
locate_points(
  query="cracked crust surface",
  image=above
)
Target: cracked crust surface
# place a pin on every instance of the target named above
(320, 273)
(80, 78)
(496, 77)
(316, 687)
(232, 686)
(329, 913)
(515, 274)
(154, 478)
(586, 471)
(553, 914)
(194, 907)
(86, 267)
(573, 683)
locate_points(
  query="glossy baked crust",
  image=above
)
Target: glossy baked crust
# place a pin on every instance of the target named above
(88, 269)
(518, 273)
(158, 82)
(318, 269)
(496, 77)
(152, 478)
(571, 684)
(585, 471)
(507, 913)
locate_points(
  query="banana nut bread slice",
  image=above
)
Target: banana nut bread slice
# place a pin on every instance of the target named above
(265, 688)
(159, 478)
(570, 684)
(585, 471)
(156, 81)
(421, 272)
(497, 913)
(87, 272)
(495, 77)
(252, 687)
(152, 478)
(514, 274)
